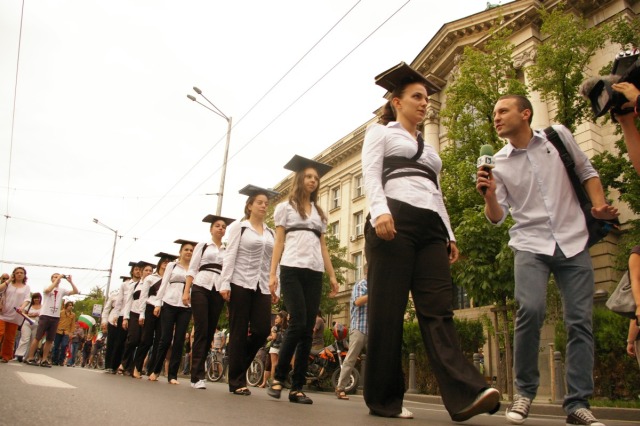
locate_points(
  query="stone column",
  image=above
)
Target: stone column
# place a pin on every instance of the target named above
(540, 110)
(432, 127)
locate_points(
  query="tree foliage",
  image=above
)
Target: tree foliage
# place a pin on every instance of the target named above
(562, 62)
(485, 269)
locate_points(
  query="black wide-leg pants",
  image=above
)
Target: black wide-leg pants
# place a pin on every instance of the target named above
(133, 341)
(174, 321)
(246, 307)
(206, 306)
(415, 261)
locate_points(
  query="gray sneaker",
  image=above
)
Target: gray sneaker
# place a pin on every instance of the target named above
(518, 411)
(583, 416)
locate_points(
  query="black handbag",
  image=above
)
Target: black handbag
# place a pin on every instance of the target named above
(598, 228)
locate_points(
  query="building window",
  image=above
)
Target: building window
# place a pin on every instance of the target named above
(335, 197)
(358, 221)
(357, 261)
(460, 298)
(359, 190)
(334, 229)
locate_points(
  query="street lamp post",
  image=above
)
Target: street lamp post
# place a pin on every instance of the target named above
(219, 113)
(113, 253)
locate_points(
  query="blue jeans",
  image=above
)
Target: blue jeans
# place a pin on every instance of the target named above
(74, 351)
(59, 348)
(574, 278)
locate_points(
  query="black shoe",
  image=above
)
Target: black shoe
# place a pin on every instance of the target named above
(274, 393)
(19, 358)
(299, 397)
(31, 362)
(242, 391)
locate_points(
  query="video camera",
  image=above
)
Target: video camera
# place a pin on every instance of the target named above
(598, 90)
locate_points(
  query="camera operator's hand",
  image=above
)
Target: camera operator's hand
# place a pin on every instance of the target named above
(629, 91)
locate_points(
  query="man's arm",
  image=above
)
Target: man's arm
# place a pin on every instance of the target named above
(73, 286)
(600, 209)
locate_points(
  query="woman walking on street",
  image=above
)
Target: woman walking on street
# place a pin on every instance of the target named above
(15, 299)
(244, 285)
(174, 315)
(409, 247)
(301, 252)
(200, 291)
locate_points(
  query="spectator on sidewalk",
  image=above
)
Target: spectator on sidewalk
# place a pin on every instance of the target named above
(29, 330)
(66, 328)
(77, 339)
(16, 298)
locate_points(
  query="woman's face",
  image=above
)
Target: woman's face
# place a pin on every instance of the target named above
(18, 275)
(218, 229)
(311, 180)
(36, 300)
(259, 206)
(412, 105)
(278, 319)
(186, 252)
(147, 271)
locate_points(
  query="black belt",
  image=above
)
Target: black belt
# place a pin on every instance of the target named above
(213, 267)
(300, 228)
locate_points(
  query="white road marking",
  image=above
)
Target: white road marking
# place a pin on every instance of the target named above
(43, 380)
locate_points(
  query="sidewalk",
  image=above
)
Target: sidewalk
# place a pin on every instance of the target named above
(541, 406)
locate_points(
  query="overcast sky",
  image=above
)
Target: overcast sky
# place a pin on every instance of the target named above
(102, 127)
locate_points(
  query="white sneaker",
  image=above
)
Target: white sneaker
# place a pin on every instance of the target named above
(200, 384)
(404, 414)
(518, 411)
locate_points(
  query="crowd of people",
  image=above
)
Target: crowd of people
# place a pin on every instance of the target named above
(409, 246)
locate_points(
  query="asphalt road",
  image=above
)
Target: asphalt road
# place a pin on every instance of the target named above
(75, 396)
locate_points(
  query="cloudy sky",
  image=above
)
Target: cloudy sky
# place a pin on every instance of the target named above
(97, 123)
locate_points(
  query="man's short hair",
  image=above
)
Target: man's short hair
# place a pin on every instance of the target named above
(522, 102)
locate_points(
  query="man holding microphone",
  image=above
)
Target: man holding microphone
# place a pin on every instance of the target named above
(530, 181)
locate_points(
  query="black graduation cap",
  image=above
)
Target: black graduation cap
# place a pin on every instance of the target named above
(181, 242)
(163, 255)
(403, 74)
(132, 264)
(298, 163)
(211, 218)
(124, 277)
(251, 190)
(143, 263)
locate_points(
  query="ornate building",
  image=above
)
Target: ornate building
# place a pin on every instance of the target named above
(341, 192)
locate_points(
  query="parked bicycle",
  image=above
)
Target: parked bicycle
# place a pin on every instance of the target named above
(255, 372)
(216, 365)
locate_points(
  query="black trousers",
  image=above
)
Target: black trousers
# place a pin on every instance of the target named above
(133, 341)
(246, 307)
(415, 261)
(174, 321)
(301, 290)
(207, 306)
(116, 336)
(149, 339)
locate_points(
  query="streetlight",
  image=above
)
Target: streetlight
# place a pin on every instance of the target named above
(219, 113)
(113, 253)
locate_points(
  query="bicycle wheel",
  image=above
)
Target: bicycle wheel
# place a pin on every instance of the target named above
(255, 372)
(213, 368)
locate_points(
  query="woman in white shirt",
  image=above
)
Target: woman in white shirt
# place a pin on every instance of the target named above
(244, 284)
(28, 331)
(150, 323)
(174, 315)
(130, 319)
(409, 247)
(16, 296)
(200, 291)
(301, 252)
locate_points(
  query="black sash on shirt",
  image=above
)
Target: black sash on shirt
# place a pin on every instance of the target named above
(213, 267)
(393, 163)
(301, 228)
(153, 290)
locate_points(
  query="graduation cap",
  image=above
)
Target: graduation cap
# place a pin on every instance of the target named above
(251, 190)
(298, 163)
(212, 218)
(163, 255)
(403, 74)
(132, 264)
(142, 264)
(182, 242)
(124, 277)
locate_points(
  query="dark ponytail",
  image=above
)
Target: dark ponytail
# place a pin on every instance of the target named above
(388, 114)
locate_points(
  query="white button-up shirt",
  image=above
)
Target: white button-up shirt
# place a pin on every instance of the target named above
(301, 248)
(123, 295)
(109, 312)
(172, 287)
(145, 297)
(212, 254)
(247, 260)
(132, 304)
(393, 140)
(533, 184)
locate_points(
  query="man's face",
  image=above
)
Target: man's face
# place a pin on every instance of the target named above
(508, 120)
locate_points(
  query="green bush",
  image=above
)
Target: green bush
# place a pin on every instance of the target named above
(470, 334)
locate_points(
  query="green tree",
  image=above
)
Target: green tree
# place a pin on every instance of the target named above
(562, 61)
(485, 269)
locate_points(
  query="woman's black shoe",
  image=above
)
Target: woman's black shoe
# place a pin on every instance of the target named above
(299, 397)
(275, 389)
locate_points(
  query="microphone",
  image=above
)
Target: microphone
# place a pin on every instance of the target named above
(485, 161)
